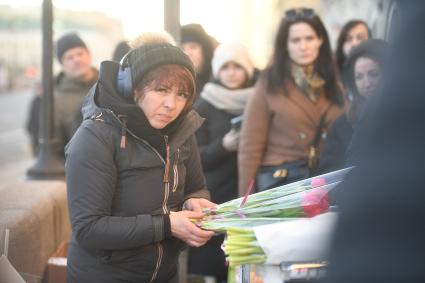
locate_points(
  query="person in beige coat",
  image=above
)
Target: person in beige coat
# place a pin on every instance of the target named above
(295, 101)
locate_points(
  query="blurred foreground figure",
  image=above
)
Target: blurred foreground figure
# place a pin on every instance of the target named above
(380, 234)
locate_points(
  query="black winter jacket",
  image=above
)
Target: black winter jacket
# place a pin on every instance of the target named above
(119, 198)
(220, 165)
(333, 156)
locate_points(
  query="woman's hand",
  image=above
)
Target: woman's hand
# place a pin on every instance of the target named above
(185, 230)
(197, 204)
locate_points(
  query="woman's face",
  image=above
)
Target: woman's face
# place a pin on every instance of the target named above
(355, 36)
(161, 103)
(303, 44)
(194, 51)
(367, 75)
(232, 75)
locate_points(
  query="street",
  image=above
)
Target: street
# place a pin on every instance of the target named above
(15, 152)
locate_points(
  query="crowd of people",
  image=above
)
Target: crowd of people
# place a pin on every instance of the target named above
(164, 130)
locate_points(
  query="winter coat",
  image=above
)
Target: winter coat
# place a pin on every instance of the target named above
(68, 98)
(337, 141)
(218, 106)
(381, 207)
(69, 94)
(220, 165)
(279, 128)
(119, 198)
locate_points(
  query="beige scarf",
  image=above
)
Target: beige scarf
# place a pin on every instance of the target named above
(232, 101)
(308, 81)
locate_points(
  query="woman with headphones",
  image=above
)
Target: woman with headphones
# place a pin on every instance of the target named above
(131, 168)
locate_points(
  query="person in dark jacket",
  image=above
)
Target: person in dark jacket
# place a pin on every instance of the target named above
(199, 46)
(380, 234)
(221, 101)
(70, 87)
(132, 166)
(362, 74)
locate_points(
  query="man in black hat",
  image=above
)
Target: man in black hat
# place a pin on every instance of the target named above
(70, 86)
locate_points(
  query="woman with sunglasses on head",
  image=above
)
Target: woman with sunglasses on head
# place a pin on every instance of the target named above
(131, 168)
(295, 101)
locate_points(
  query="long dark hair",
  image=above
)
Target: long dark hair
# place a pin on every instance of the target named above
(340, 57)
(374, 49)
(279, 69)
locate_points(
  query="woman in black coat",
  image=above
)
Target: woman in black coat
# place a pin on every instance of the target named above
(132, 166)
(362, 74)
(220, 102)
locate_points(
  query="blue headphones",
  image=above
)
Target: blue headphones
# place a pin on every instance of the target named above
(124, 78)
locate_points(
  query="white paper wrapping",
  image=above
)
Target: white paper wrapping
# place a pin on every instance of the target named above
(8, 273)
(298, 240)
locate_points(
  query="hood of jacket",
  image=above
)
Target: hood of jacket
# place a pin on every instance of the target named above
(105, 103)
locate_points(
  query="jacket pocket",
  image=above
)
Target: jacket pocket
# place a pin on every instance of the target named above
(142, 258)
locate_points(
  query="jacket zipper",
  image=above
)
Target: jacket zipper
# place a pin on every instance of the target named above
(176, 172)
(166, 181)
(158, 262)
(166, 177)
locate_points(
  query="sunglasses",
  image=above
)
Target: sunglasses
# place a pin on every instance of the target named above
(299, 13)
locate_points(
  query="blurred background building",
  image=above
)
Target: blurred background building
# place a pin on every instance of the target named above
(104, 23)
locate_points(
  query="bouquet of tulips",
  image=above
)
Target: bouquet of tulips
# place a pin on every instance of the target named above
(238, 218)
(305, 198)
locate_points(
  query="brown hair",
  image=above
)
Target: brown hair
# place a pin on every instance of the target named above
(170, 75)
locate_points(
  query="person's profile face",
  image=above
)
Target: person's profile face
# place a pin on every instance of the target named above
(195, 53)
(367, 75)
(303, 44)
(232, 75)
(161, 103)
(76, 63)
(355, 36)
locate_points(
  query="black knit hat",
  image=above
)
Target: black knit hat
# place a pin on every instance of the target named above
(144, 58)
(66, 42)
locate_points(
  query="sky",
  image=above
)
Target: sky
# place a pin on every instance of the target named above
(147, 15)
